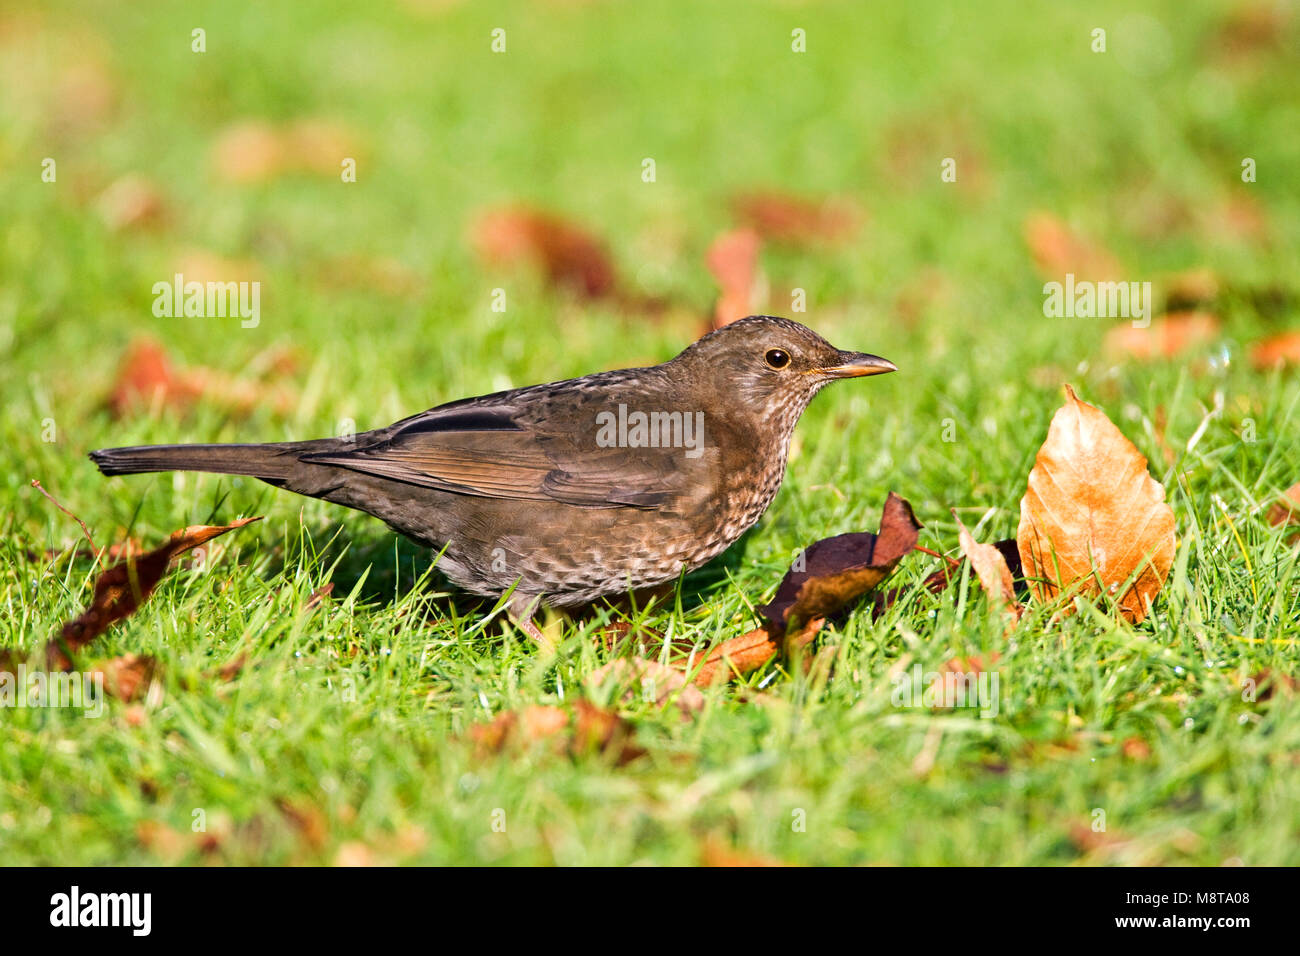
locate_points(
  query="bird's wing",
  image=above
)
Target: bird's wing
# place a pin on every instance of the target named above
(489, 453)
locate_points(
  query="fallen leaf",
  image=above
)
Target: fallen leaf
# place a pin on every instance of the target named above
(256, 151)
(121, 589)
(738, 656)
(991, 569)
(1092, 516)
(147, 377)
(716, 852)
(1251, 30)
(1165, 338)
(585, 729)
(85, 94)
(1191, 289)
(1238, 217)
(1282, 349)
(732, 259)
(232, 668)
(792, 219)
(319, 596)
(132, 202)
(634, 677)
(1270, 682)
(247, 152)
(570, 257)
(1135, 748)
(354, 853)
(307, 819)
(1286, 510)
(1057, 250)
(948, 694)
(835, 572)
(127, 677)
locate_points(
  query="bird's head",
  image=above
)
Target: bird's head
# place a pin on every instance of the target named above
(773, 366)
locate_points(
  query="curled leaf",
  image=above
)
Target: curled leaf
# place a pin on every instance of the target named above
(991, 569)
(121, 589)
(835, 572)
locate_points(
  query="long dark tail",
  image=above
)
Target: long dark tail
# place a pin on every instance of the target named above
(273, 462)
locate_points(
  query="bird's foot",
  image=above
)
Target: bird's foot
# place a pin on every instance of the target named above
(520, 611)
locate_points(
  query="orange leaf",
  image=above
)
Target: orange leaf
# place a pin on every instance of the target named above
(586, 729)
(784, 218)
(1283, 349)
(1092, 517)
(1164, 338)
(569, 256)
(1057, 249)
(635, 676)
(1287, 510)
(732, 259)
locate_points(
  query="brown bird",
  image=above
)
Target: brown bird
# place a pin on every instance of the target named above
(575, 490)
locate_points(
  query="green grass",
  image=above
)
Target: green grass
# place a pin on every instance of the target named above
(358, 708)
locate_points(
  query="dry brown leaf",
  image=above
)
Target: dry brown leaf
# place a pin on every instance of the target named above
(121, 589)
(835, 572)
(1135, 748)
(585, 729)
(1269, 683)
(991, 569)
(732, 259)
(1282, 349)
(319, 596)
(132, 202)
(1239, 217)
(232, 668)
(1191, 289)
(307, 818)
(634, 677)
(796, 220)
(1251, 31)
(1092, 516)
(1286, 510)
(1057, 250)
(129, 676)
(738, 656)
(147, 376)
(569, 256)
(255, 151)
(1165, 338)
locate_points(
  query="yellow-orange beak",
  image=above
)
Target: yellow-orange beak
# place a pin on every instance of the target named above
(855, 364)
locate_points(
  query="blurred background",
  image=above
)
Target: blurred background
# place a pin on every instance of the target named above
(545, 189)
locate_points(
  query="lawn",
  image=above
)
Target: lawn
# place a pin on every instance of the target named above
(281, 729)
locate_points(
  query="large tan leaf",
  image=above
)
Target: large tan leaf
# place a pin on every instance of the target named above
(1092, 515)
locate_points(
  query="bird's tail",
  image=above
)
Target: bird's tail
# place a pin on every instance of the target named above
(271, 462)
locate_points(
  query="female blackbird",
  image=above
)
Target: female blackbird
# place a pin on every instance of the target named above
(574, 490)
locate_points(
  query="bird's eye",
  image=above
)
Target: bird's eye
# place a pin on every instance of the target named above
(777, 358)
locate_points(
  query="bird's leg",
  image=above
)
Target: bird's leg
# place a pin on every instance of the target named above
(520, 611)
